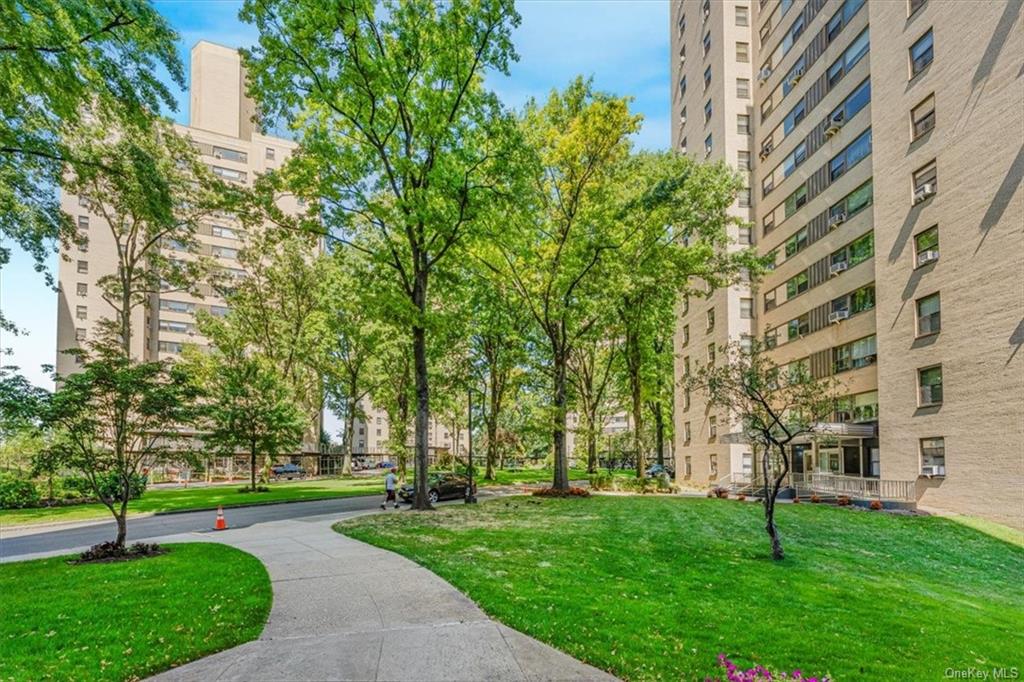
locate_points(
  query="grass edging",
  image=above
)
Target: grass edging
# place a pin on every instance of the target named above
(129, 619)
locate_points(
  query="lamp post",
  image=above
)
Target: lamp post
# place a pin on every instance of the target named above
(470, 497)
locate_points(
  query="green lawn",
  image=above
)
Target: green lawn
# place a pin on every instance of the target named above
(656, 588)
(181, 499)
(128, 620)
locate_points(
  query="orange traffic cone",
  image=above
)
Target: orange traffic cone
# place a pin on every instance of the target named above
(221, 523)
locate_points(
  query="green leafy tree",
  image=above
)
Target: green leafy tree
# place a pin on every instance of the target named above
(248, 404)
(152, 190)
(63, 62)
(400, 142)
(353, 365)
(673, 219)
(591, 364)
(774, 405)
(555, 249)
(115, 417)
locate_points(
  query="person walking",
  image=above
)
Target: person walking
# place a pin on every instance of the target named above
(390, 485)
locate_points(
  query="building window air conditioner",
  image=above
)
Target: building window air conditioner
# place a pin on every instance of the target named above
(923, 192)
(836, 220)
(836, 268)
(926, 257)
(837, 316)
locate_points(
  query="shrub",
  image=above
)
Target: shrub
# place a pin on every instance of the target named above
(721, 493)
(843, 501)
(711, 493)
(555, 492)
(815, 498)
(109, 485)
(741, 497)
(876, 505)
(602, 480)
(259, 489)
(111, 551)
(17, 493)
(796, 500)
(664, 483)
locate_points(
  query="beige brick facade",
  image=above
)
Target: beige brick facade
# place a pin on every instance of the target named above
(851, 103)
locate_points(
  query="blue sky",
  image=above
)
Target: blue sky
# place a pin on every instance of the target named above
(622, 44)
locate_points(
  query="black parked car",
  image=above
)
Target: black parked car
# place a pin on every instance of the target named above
(443, 486)
(288, 471)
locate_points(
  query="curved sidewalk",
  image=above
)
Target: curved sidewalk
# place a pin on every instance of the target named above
(344, 610)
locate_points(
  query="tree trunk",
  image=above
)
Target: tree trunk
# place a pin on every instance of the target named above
(638, 422)
(252, 467)
(122, 528)
(492, 421)
(419, 352)
(659, 434)
(350, 428)
(561, 481)
(770, 497)
(591, 447)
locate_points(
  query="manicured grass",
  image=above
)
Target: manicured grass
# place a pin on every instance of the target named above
(182, 499)
(127, 620)
(656, 588)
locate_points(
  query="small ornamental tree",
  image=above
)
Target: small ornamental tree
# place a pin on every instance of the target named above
(248, 406)
(774, 405)
(112, 419)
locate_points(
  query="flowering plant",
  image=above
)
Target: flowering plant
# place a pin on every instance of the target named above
(759, 673)
(555, 492)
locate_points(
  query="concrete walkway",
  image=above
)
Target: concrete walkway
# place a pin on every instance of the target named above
(344, 610)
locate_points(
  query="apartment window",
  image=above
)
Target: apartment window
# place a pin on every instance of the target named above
(682, 86)
(688, 465)
(707, 78)
(707, 43)
(270, 153)
(926, 182)
(177, 327)
(682, 116)
(796, 200)
(82, 289)
(686, 398)
(706, 11)
(79, 333)
(746, 236)
(856, 252)
(711, 354)
(225, 232)
(860, 353)
(922, 117)
(686, 366)
(224, 252)
(681, 24)
(230, 154)
(686, 304)
(219, 310)
(848, 158)
(794, 117)
(713, 433)
(707, 146)
(713, 464)
(926, 246)
(796, 243)
(921, 54)
(682, 145)
(176, 245)
(83, 222)
(929, 317)
(841, 66)
(743, 52)
(914, 5)
(746, 308)
(933, 456)
(81, 312)
(743, 124)
(686, 433)
(797, 285)
(798, 327)
(743, 88)
(746, 343)
(742, 16)
(711, 319)
(82, 267)
(743, 160)
(83, 201)
(707, 111)
(83, 242)
(929, 381)
(177, 306)
(229, 173)
(170, 347)
(744, 197)
(794, 76)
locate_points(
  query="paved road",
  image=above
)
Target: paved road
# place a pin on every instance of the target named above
(171, 524)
